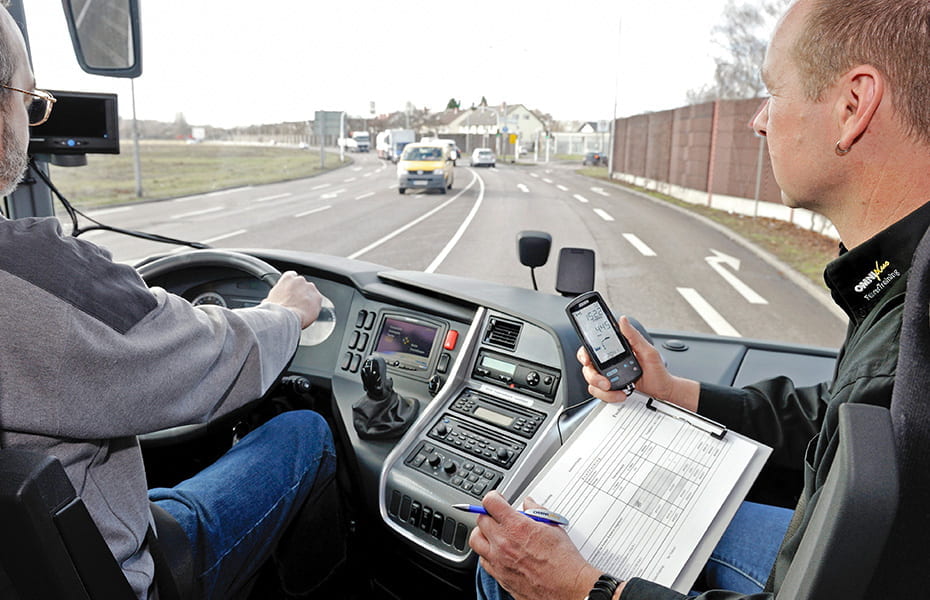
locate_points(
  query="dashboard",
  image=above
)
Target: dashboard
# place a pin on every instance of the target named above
(491, 367)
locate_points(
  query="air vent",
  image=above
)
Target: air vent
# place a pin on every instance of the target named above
(503, 334)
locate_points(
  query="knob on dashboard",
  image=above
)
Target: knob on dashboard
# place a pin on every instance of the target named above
(434, 460)
(503, 453)
(448, 466)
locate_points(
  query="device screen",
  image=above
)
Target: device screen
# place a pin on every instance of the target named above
(599, 333)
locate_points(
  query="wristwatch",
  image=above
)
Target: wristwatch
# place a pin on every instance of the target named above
(604, 588)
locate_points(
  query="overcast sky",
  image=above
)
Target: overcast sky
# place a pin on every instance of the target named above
(230, 62)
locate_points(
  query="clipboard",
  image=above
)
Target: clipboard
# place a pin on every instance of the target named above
(648, 488)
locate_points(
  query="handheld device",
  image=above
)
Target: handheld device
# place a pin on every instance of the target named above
(609, 350)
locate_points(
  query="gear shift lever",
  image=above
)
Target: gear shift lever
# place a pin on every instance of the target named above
(382, 413)
(377, 384)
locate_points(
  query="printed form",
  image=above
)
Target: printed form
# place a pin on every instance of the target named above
(648, 493)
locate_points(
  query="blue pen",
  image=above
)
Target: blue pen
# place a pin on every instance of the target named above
(537, 514)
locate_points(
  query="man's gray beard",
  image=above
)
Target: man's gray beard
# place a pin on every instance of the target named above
(13, 161)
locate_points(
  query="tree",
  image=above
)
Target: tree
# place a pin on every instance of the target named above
(484, 101)
(453, 104)
(742, 36)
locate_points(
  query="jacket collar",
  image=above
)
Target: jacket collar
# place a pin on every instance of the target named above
(860, 278)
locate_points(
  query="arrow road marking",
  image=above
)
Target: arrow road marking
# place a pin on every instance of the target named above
(717, 263)
(639, 244)
(707, 312)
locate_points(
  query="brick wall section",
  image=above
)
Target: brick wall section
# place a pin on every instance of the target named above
(679, 147)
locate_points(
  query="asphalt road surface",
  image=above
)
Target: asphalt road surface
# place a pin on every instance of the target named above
(659, 264)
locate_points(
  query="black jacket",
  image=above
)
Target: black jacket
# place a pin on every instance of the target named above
(800, 424)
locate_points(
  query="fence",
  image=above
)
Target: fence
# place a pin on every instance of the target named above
(706, 154)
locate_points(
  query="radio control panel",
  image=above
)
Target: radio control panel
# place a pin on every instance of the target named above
(514, 419)
(477, 442)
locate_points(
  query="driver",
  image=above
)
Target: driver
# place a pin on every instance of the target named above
(91, 358)
(848, 132)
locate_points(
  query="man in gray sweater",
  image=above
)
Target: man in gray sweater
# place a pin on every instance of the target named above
(91, 358)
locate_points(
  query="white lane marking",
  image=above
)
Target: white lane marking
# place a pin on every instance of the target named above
(229, 191)
(365, 195)
(368, 174)
(536, 175)
(522, 187)
(320, 186)
(275, 197)
(356, 168)
(211, 240)
(313, 210)
(461, 230)
(399, 231)
(108, 211)
(580, 198)
(224, 236)
(349, 180)
(198, 212)
(603, 214)
(562, 187)
(331, 195)
(547, 180)
(600, 191)
(639, 244)
(717, 263)
(707, 312)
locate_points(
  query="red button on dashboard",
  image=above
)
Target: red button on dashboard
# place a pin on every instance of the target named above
(452, 338)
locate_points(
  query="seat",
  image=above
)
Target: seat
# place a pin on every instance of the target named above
(51, 547)
(842, 545)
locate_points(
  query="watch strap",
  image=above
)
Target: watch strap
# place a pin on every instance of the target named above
(604, 588)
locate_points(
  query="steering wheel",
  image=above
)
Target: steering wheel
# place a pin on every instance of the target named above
(198, 259)
(210, 258)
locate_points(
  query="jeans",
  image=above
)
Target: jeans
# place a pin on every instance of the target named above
(236, 510)
(740, 563)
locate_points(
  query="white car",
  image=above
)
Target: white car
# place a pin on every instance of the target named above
(483, 157)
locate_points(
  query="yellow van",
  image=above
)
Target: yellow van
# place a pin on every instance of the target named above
(425, 165)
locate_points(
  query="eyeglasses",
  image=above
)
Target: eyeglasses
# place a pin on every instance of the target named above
(39, 108)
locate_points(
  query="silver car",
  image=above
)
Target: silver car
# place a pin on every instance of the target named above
(483, 157)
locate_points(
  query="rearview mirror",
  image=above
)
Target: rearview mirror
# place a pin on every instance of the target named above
(106, 36)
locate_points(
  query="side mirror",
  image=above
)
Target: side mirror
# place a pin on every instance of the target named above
(106, 36)
(575, 274)
(533, 248)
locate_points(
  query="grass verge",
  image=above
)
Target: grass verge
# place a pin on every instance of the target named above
(172, 169)
(807, 252)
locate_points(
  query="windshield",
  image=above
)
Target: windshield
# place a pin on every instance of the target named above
(627, 151)
(422, 154)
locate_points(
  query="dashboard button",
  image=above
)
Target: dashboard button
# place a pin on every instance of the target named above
(360, 319)
(370, 320)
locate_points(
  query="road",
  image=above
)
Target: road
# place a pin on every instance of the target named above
(669, 270)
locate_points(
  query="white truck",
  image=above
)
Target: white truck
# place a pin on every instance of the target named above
(362, 141)
(358, 141)
(390, 143)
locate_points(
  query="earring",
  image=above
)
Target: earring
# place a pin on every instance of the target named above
(840, 151)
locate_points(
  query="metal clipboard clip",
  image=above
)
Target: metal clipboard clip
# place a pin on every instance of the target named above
(715, 429)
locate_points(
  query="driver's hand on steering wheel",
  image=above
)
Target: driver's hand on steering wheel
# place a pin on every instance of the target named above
(296, 293)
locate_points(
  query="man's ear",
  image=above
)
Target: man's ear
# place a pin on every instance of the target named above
(861, 91)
